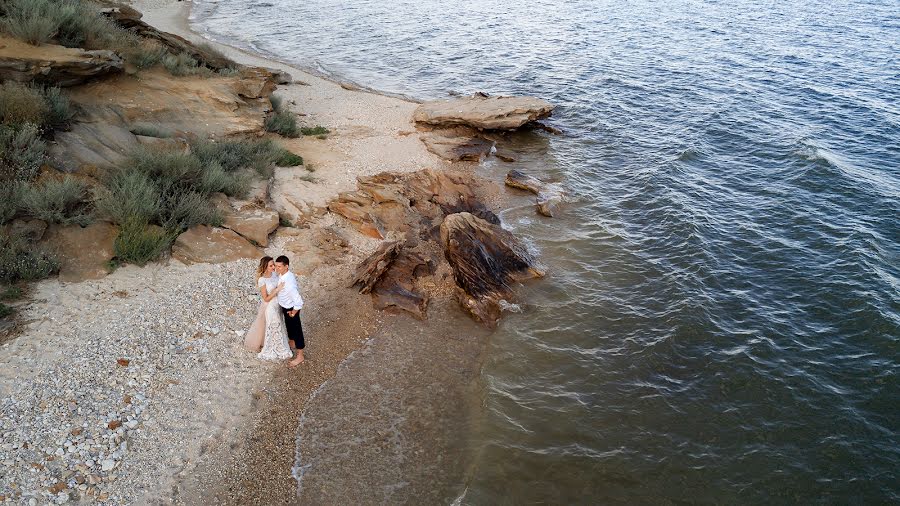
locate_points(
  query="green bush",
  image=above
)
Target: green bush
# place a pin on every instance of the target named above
(145, 54)
(22, 152)
(183, 209)
(21, 261)
(283, 123)
(288, 159)
(183, 64)
(5, 310)
(11, 193)
(316, 130)
(233, 155)
(11, 293)
(34, 21)
(20, 104)
(128, 196)
(64, 201)
(140, 243)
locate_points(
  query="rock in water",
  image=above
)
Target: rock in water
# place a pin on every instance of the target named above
(54, 65)
(487, 113)
(548, 195)
(485, 260)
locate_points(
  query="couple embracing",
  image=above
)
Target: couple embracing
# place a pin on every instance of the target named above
(278, 318)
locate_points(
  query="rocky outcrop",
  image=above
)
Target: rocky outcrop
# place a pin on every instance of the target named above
(204, 244)
(130, 18)
(253, 224)
(484, 113)
(411, 210)
(455, 149)
(486, 260)
(83, 252)
(100, 134)
(548, 195)
(54, 65)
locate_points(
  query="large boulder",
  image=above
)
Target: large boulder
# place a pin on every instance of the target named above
(54, 65)
(83, 252)
(486, 260)
(91, 144)
(481, 112)
(253, 224)
(204, 244)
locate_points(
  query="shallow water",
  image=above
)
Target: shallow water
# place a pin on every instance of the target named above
(721, 319)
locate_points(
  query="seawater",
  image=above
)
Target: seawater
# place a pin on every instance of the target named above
(721, 318)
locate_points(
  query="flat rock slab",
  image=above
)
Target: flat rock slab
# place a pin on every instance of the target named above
(253, 224)
(455, 149)
(487, 113)
(54, 65)
(204, 244)
(83, 252)
(549, 195)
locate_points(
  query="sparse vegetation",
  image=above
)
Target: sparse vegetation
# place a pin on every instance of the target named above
(259, 155)
(145, 54)
(150, 131)
(183, 64)
(5, 310)
(140, 243)
(11, 293)
(22, 104)
(21, 261)
(282, 121)
(22, 151)
(284, 222)
(317, 130)
(11, 193)
(64, 201)
(288, 159)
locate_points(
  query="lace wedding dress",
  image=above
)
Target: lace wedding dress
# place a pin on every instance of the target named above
(275, 342)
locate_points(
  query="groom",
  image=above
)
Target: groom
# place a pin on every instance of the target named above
(290, 301)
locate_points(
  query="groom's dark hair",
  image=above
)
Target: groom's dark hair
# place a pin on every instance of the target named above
(283, 260)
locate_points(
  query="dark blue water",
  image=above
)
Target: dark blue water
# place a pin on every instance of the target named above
(722, 316)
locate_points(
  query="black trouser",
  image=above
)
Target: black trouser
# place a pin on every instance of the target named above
(294, 329)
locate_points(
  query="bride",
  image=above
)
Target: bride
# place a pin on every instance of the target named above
(268, 330)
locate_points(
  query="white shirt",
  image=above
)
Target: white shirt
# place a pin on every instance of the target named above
(289, 296)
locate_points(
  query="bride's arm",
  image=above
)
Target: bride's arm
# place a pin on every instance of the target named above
(269, 296)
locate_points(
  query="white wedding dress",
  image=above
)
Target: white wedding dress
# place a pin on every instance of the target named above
(275, 344)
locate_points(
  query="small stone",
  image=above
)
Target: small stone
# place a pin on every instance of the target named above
(123, 362)
(58, 487)
(127, 399)
(108, 465)
(115, 424)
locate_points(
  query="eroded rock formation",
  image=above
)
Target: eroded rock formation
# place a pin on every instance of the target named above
(204, 244)
(411, 211)
(54, 65)
(482, 112)
(83, 252)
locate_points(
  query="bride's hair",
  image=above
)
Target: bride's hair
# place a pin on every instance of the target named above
(263, 263)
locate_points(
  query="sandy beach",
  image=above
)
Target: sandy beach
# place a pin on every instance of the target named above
(135, 388)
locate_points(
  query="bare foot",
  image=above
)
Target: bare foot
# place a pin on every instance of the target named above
(297, 360)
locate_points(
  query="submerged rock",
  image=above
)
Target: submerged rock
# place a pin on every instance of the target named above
(54, 65)
(482, 112)
(486, 260)
(548, 195)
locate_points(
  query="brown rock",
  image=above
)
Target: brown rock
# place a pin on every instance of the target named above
(123, 362)
(83, 253)
(488, 113)
(57, 488)
(115, 424)
(255, 82)
(126, 399)
(76, 431)
(203, 244)
(548, 195)
(484, 279)
(32, 229)
(254, 224)
(54, 65)
(455, 149)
